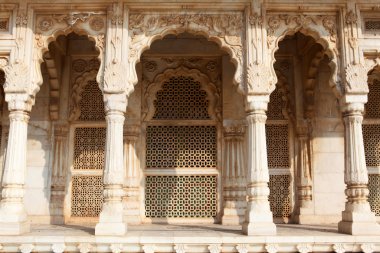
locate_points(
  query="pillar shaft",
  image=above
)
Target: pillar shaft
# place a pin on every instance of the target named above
(234, 183)
(131, 199)
(357, 218)
(111, 219)
(13, 217)
(258, 218)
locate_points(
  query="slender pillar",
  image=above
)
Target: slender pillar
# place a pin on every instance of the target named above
(234, 176)
(304, 182)
(258, 217)
(111, 219)
(357, 218)
(59, 170)
(13, 217)
(131, 198)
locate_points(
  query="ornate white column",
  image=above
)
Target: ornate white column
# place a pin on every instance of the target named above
(59, 169)
(131, 198)
(357, 218)
(258, 217)
(304, 181)
(234, 176)
(13, 216)
(111, 219)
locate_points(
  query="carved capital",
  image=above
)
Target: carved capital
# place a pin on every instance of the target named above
(115, 102)
(356, 78)
(260, 79)
(115, 79)
(17, 78)
(19, 101)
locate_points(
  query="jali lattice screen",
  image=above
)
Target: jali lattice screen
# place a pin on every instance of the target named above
(374, 193)
(91, 104)
(89, 145)
(277, 146)
(181, 97)
(181, 146)
(181, 196)
(87, 196)
(279, 196)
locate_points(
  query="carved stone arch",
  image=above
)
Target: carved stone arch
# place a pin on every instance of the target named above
(283, 86)
(48, 27)
(226, 30)
(76, 91)
(321, 28)
(213, 95)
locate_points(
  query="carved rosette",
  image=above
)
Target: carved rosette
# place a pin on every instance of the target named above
(225, 28)
(115, 80)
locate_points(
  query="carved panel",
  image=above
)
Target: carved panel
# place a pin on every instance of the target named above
(87, 196)
(371, 136)
(372, 25)
(277, 146)
(374, 193)
(181, 147)
(276, 105)
(89, 145)
(91, 104)
(4, 24)
(181, 196)
(279, 197)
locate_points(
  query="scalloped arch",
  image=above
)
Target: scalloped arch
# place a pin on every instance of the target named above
(210, 88)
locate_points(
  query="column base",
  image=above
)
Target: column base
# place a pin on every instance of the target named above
(110, 228)
(231, 220)
(259, 228)
(14, 228)
(304, 215)
(358, 224)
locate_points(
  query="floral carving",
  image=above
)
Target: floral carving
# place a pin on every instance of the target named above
(116, 248)
(22, 19)
(255, 19)
(367, 248)
(85, 247)
(150, 66)
(39, 39)
(3, 62)
(329, 23)
(356, 78)
(96, 23)
(180, 248)
(339, 248)
(26, 248)
(242, 248)
(301, 20)
(46, 24)
(72, 17)
(215, 248)
(259, 79)
(117, 20)
(304, 248)
(148, 248)
(351, 17)
(58, 248)
(79, 65)
(271, 248)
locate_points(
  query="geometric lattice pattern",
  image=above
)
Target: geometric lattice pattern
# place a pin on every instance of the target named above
(277, 146)
(89, 145)
(3, 25)
(374, 193)
(372, 25)
(87, 196)
(91, 104)
(181, 196)
(275, 105)
(372, 107)
(181, 147)
(279, 197)
(181, 98)
(371, 136)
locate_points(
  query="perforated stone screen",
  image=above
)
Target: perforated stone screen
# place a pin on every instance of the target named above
(181, 98)
(181, 196)
(371, 135)
(181, 146)
(275, 106)
(4, 24)
(372, 25)
(374, 193)
(277, 146)
(89, 145)
(372, 107)
(91, 104)
(279, 196)
(87, 196)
